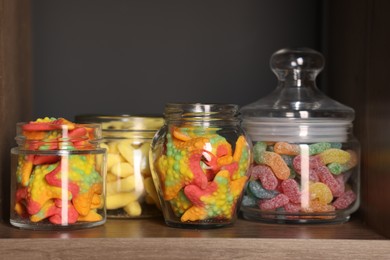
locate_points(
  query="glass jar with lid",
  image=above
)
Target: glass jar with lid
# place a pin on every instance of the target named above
(58, 171)
(306, 166)
(129, 185)
(199, 161)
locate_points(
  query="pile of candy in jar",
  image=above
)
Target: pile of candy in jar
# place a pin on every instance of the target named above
(130, 189)
(285, 179)
(48, 182)
(201, 177)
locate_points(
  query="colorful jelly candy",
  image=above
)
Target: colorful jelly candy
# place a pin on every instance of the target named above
(275, 162)
(345, 200)
(257, 190)
(63, 188)
(291, 189)
(201, 176)
(337, 168)
(278, 201)
(301, 178)
(265, 175)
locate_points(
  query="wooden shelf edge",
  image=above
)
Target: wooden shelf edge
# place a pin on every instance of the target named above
(192, 248)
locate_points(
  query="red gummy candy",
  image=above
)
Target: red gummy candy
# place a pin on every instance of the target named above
(77, 132)
(291, 190)
(33, 126)
(194, 193)
(231, 168)
(52, 179)
(200, 177)
(345, 200)
(327, 178)
(45, 159)
(21, 194)
(265, 175)
(278, 201)
(57, 213)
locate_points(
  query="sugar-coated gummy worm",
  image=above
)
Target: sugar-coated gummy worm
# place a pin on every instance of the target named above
(311, 186)
(201, 176)
(275, 162)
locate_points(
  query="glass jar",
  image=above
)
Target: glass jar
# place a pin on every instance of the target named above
(199, 161)
(57, 179)
(306, 166)
(130, 188)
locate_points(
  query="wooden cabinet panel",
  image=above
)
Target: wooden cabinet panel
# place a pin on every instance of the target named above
(15, 81)
(358, 71)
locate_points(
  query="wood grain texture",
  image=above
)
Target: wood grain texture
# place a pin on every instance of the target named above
(156, 228)
(152, 239)
(15, 82)
(190, 248)
(358, 76)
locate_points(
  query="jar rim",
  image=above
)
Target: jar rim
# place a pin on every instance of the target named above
(201, 111)
(57, 136)
(137, 122)
(98, 118)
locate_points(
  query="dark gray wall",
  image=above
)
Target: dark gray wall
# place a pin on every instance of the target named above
(123, 56)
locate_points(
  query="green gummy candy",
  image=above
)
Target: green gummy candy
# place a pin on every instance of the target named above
(335, 168)
(336, 145)
(318, 148)
(258, 149)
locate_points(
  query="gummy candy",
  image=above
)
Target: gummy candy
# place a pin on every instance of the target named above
(317, 180)
(62, 188)
(265, 175)
(286, 148)
(291, 190)
(321, 192)
(275, 162)
(337, 168)
(278, 201)
(201, 176)
(344, 200)
(294, 149)
(327, 178)
(258, 191)
(334, 155)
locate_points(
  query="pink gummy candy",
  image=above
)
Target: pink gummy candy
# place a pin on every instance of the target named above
(341, 181)
(314, 162)
(292, 207)
(291, 190)
(313, 176)
(327, 178)
(266, 176)
(345, 200)
(276, 202)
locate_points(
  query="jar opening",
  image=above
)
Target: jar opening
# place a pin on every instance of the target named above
(124, 123)
(201, 112)
(57, 134)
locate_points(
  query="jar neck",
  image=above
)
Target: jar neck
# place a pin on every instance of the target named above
(193, 113)
(297, 78)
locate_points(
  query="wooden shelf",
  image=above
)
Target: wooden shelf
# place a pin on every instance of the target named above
(151, 238)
